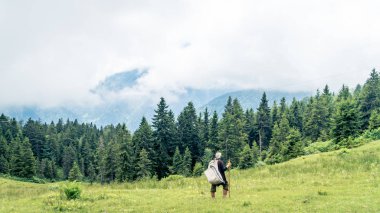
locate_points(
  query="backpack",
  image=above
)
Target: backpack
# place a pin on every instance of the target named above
(212, 173)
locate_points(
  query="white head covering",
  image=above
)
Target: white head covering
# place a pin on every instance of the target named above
(218, 155)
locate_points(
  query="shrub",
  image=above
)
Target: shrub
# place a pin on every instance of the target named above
(72, 191)
(319, 147)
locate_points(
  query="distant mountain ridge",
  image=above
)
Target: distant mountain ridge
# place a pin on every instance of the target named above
(251, 98)
(130, 113)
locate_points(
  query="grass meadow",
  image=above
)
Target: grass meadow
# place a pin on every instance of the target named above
(345, 180)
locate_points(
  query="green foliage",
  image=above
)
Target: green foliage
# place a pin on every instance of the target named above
(374, 120)
(188, 132)
(75, 173)
(247, 159)
(346, 121)
(177, 162)
(294, 145)
(164, 135)
(264, 123)
(186, 163)
(232, 136)
(144, 165)
(213, 143)
(72, 191)
(198, 169)
(318, 147)
(369, 98)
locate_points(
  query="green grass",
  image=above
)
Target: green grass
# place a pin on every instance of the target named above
(339, 181)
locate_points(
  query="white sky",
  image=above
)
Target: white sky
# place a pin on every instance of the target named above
(53, 52)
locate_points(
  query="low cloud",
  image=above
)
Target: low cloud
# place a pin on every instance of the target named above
(54, 53)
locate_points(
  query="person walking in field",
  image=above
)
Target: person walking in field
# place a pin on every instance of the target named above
(221, 169)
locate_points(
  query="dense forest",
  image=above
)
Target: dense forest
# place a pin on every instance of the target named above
(185, 144)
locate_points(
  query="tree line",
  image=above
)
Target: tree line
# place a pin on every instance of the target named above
(185, 144)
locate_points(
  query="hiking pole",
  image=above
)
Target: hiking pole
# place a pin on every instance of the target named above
(229, 179)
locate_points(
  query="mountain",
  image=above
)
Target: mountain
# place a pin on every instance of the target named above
(120, 110)
(251, 99)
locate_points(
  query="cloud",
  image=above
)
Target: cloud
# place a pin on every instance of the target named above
(54, 53)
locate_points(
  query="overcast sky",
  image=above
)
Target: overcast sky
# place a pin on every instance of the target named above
(55, 52)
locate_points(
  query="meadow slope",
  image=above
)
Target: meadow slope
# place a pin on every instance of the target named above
(339, 181)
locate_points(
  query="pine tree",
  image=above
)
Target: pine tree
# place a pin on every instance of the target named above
(23, 163)
(186, 163)
(144, 165)
(177, 162)
(346, 121)
(75, 174)
(295, 115)
(246, 158)
(163, 138)
(213, 143)
(294, 145)
(4, 161)
(264, 123)
(69, 156)
(280, 132)
(189, 133)
(91, 173)
(369, 97)
(231, 132)
(283, 107)
(112, 161)
(374, 120)
(198, 169)
(125, 168)
(101, 161)
(274, 114)
(250, 126)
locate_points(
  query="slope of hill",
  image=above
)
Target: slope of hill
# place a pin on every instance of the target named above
(339, 181)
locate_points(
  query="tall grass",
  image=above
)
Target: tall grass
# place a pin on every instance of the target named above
(339, 181)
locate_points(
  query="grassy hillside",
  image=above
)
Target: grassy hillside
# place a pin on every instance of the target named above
(339, 181)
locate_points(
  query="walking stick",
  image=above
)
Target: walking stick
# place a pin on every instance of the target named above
(229, 179)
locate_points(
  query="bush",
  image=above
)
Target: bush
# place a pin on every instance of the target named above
(72, 191)
(372, 134)
(319, 147)
(173, 178)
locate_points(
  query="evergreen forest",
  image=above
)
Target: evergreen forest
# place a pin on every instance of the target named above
(184, 144)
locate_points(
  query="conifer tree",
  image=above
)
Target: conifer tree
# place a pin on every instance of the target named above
(213, 143)
(144, 165)
(4, 160)
(75, 174)
(370, 97)
(198, 169)
(250, 126)
(188, 132)
(101, 161)
(186, 163)
(125, 168)
(374, 120)
(263, 123)
(294, 145)
(69, 156)
(346, 121)
(231, 135)
(91, 173)
(162, 139)
(246, 158)
(177, 162)
(280, 132)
